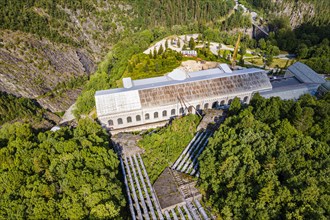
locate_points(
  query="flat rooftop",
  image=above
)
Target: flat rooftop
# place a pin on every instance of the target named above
(288, 88)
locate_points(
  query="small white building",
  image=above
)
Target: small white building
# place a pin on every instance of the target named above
(189, 53)
(152, 102)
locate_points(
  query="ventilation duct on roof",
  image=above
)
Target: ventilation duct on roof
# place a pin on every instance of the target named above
(225, 68)
(127, 82)
(177, 74)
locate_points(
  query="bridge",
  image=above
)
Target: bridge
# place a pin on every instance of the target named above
(259, 32)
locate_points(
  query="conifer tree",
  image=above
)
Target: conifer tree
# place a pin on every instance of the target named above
(166, 44)
(192, 43)
(160, 50)
(155, 53)
(179, 43)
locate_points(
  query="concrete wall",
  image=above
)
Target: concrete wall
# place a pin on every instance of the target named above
(130, 122)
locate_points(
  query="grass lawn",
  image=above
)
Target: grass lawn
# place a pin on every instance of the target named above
(280, 63)
(276, 62)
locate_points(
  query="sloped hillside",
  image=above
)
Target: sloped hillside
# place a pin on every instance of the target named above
(45, 45)
(316, 12)
(31, 67)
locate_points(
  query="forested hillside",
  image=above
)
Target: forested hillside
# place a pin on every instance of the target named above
(67, 174)
(316, 12)
(180, 12)
(270, 161)
(25, 110)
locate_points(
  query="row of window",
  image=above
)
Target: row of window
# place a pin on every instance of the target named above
(181, 111)
(138, 117)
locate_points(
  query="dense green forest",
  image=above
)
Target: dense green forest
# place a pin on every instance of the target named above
(67, 174)
(164, 146)
(23, 16)
(157, 63)
(309, 42)
(192, 13)
(21, 109)
(12, 108)
(270, 161)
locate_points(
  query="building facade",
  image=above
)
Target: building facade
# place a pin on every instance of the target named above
(150, 102)
(299, 79)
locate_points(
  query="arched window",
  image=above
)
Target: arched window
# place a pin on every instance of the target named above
(129, 119)
(198, 107)
(147, 116)
(230, 101)
(173, 112)
(110, 122)
(164, 113)
(156, 115)
(138, 118)
(181, 110)
(222, 103)
(120, 121)
(245, 99)
(206, 105)
(215, 104)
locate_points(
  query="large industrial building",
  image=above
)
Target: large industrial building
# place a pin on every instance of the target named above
(150, 102)
(299, 79)
(153, 101)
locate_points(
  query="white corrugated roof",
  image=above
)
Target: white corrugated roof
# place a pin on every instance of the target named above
(305, 74)
(109, 103)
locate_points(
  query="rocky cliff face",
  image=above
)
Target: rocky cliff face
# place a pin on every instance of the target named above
(297, 11)
(31, 67)
(36, 67)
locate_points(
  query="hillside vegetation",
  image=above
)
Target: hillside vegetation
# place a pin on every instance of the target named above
(270, 161)
(180, 12)
(24, 110)
(46, 43)
(68, 174)
(164, 146)
(316, 12)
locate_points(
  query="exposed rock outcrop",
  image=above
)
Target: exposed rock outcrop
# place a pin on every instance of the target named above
(31, 67)
(297, 11)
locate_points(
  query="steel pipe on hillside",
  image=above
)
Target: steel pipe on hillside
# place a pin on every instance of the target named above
(175, 217)
(151, 208)
(130, 203)
(194, 163)
(144, 207)
(168, 217)
(153, 194)
(193, 212)
(201, 210)
(181, 213)
(191, 156)
(187, 212)
(185, 151)
(136, 201)
(189, 151)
